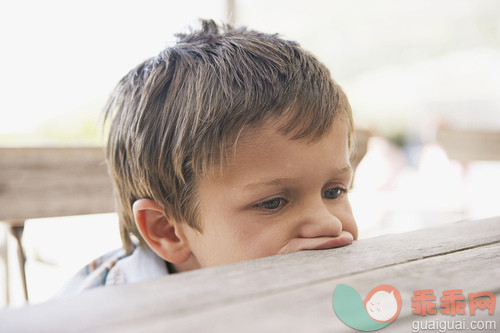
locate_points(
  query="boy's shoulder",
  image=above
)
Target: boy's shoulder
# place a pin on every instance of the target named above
(116, 268)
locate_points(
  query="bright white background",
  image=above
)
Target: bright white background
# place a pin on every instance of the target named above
(60, 59)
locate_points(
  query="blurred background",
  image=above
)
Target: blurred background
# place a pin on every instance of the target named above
(412, 70)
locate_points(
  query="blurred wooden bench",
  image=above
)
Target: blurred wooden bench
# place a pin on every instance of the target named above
(49, 182)
(469, 145)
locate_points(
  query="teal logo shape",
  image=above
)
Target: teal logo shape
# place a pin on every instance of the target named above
(380, 307)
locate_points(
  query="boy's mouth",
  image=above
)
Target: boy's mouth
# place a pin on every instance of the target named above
(345, 238)
(318, 243)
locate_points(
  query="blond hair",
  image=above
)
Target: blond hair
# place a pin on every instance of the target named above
(176, 116)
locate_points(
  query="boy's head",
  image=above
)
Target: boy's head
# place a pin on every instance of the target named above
(220, 135)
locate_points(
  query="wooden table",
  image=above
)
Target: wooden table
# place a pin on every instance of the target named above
(287, 293)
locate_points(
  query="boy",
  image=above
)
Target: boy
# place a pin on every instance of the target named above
(228, 146)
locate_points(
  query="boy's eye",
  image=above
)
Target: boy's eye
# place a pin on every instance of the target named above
(333, 193)
(272, 204)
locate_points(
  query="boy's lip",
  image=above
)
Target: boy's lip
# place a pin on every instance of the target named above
(318, 243)
(345, 238)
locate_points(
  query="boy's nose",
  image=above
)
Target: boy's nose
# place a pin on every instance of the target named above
(318, 221)
(317, 228)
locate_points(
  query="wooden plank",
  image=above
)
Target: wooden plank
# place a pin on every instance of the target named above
(189, 295)
(309, 308)
(47, 182)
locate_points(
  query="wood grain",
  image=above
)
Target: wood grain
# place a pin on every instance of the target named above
(285, 293)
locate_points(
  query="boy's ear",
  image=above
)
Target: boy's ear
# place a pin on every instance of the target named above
(163, 234)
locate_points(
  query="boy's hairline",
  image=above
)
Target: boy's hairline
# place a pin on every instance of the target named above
(273, 122)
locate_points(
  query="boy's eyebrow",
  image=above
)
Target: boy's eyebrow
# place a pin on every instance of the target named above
(343, 170)
(278, 181)
(273, 182)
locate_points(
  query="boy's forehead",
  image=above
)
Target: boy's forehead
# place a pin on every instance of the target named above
(261, 133)
(262, 140)
(264, 151)
(254, 142)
